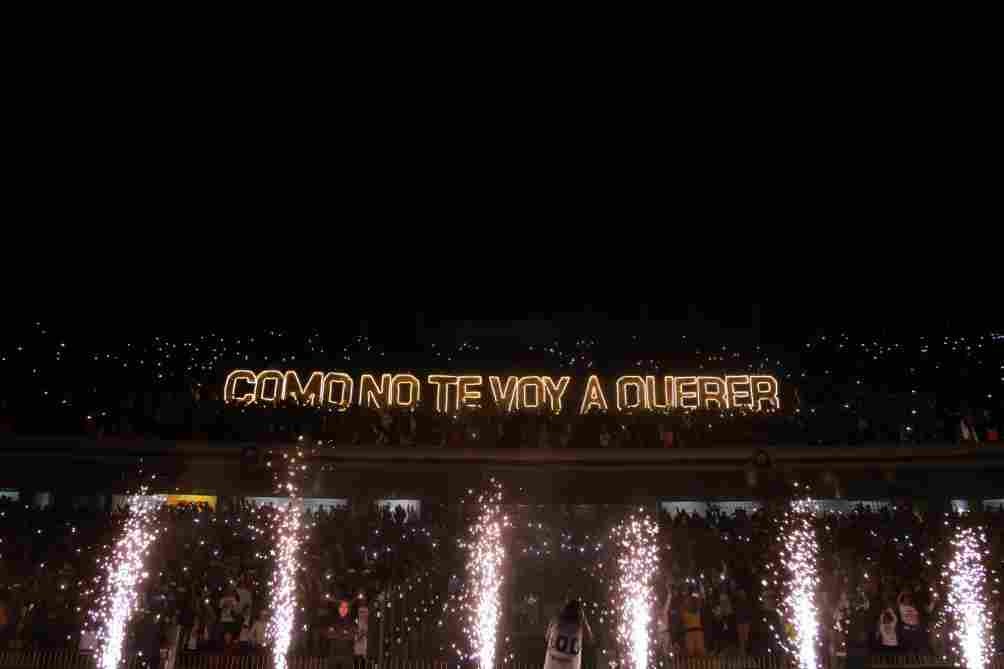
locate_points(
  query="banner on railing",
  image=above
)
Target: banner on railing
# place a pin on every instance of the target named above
(70, 659)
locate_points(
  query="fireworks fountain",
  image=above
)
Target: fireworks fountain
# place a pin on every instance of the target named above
(796, 573)
(287, 565)
(637, 562)
(123, 572)
(966, 598)
(485, 556)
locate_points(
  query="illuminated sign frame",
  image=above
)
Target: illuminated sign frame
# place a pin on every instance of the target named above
(453, 393)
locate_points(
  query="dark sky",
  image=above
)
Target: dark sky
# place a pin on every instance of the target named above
(392, 317)
(822, 214)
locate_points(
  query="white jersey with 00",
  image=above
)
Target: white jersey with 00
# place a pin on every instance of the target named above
(564, 645)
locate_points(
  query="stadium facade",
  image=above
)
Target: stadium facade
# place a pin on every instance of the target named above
(68, 471)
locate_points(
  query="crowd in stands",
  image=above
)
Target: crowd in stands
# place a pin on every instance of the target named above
(836, 388)
(210, 420)
(881, 581)
(881, 586)
(209, 572)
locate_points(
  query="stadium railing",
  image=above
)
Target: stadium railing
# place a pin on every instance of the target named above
(67, 659)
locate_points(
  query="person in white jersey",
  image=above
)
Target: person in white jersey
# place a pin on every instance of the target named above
(564, 638)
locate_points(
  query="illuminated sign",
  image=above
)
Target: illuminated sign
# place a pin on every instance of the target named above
(451, 394)
(178, 500)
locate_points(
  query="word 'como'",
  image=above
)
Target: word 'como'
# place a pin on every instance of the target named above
(454, 393)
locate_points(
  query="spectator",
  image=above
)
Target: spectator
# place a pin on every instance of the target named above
(859, 636)
(258, 629)
(967, 429)
(566, 637)
(343, 638)
(662, 625)
(193, 641)
(911, 635)
(186, 619)
(362, 635)
(229, 619)
(39, 617)
(207, 625)
(886, 633)
(776, 627)
(244, 601)
(606, 440)
(666, 436)
(723, 629)
(244, 639)
(4, 621)
(148, 639)
(693, 627)
(744, 619)
(841, 615)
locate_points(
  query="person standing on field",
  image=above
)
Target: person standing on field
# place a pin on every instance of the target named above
(565, 635)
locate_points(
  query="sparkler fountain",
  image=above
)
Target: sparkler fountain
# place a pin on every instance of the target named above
(796, 572)
(287, 564)
(634, 540)
(123, 571)
(966, 598)
(485, 556)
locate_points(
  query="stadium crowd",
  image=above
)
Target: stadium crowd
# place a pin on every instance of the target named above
(881, 586)
(209, 572)
(836, 388)
(181, 418)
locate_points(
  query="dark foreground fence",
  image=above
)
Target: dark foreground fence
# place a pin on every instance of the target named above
(66, 659)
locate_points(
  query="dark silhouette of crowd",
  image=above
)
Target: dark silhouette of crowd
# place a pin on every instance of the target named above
(881, 586)
(210, 420)
(835, 388)
(209, 571)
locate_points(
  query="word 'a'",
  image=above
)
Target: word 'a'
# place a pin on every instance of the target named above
(453, 393)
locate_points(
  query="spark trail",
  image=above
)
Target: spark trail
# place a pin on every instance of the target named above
(485, 556)
(797, 570)
(124, 571)
(634, 539)
(966, 598)
(288, 536)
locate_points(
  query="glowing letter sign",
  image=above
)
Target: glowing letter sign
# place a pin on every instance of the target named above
(455, 393)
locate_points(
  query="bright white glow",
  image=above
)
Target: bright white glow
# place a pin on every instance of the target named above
(799, 558)
(637, 561)
(124, 571)
(280, 626)
(485, 555)
(967, 585)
